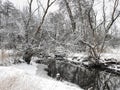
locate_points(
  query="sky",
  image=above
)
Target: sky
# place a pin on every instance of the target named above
(20, 4)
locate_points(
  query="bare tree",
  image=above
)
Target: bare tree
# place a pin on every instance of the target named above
(30, 51)
(49, 4)
(30, 13)
(73, 24)
(29, 19)
(114, 17)
(106, 27)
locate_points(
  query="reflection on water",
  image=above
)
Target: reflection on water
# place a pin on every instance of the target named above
(106, 81)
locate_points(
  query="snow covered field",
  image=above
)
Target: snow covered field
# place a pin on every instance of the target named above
(23, 77)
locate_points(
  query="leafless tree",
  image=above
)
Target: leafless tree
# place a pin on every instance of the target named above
(29, 51)
(73, 24)
(106, 27)
(114, 17)
(49, 4)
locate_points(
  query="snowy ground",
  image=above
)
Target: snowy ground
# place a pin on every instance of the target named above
(33, 77)
(23, 77)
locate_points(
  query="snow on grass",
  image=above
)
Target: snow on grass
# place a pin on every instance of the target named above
(111, 53)
(35, 58)
(23, 77)
(80, 56)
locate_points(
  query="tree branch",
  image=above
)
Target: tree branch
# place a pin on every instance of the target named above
(43, 18)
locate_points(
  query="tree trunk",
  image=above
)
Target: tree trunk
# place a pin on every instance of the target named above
(73, 24)
(28, 55)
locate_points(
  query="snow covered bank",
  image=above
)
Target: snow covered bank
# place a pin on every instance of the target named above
(12, 78)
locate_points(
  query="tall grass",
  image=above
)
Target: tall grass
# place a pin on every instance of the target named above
(8, 56)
